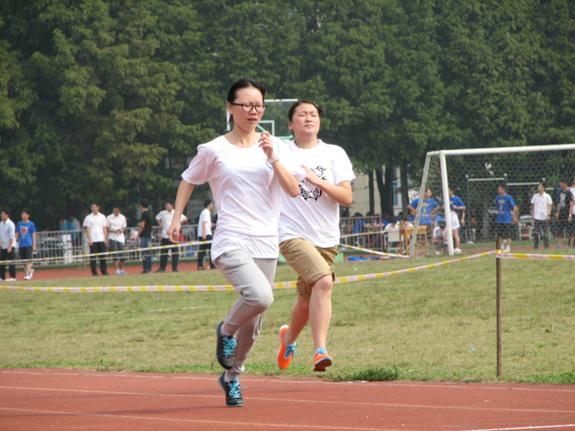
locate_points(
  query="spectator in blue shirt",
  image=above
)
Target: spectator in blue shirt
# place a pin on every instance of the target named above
(506, 215)
(427, 207)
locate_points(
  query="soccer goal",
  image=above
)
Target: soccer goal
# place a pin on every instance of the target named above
(474, 176)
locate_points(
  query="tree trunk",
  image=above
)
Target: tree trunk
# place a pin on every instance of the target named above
(404, 190)
(386, 189)
(371, 193)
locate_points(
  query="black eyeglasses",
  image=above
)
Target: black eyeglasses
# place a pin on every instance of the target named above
(247, 107)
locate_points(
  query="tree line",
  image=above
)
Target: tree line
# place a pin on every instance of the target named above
(107, 100)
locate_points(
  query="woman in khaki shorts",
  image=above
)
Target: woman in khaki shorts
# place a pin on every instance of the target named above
(309, 231)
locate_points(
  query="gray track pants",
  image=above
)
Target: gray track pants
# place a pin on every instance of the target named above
(252, 279)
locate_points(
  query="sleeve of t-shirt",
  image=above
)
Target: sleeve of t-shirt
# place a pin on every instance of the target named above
(511, 202)
(200, 167)
(343, 170)
(458, 202)
(288, 159)
(414, 203)
(87, 222)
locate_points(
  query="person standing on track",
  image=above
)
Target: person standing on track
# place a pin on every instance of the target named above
(97, 234)
(309, 231)
(164, 219)
(26, 236)
(205, 234)
(246, 171)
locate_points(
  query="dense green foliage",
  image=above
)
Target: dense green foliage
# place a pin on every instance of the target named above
(107, 99)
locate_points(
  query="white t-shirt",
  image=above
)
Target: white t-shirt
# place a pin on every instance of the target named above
(96, 223)
(541, 206)
(313, 215)
(246, 192)
(439, 234)
(166, 218)
(116, 223)
(205, 217)
(7, 233)
(573, 193)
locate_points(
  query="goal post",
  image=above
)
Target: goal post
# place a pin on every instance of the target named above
(474, 174)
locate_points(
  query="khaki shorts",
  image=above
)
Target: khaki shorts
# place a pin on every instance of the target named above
(310, 262)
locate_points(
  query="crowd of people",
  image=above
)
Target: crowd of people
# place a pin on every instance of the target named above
(548, 216)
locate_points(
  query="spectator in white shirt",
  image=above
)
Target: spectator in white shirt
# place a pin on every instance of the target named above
(164, 219)
(116, 225)
(97, 233)
(541, 207)
(7, 239)
(205, 234)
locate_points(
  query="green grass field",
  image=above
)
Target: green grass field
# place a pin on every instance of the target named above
(436, 325)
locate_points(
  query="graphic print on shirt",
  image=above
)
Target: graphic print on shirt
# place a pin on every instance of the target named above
(23, 231)
(304, 187)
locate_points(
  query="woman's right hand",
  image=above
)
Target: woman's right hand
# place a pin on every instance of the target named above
(174, 231)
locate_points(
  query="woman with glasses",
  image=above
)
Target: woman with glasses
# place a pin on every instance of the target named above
(309, 231)
(246, 171)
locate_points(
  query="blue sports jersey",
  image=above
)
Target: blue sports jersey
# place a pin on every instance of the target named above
(504, 205)
(455, 200)
(25, 231)
(428, 206)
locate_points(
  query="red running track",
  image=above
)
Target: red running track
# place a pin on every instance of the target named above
(66, 400)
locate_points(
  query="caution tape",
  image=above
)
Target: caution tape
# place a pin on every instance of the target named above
(352, 278)
(534, 256)
(214, 288)
(379, 253)
(105, 253)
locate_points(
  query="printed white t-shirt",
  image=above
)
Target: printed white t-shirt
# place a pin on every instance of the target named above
(116, 223)
(313, 215)
(246, 192)
(96, 223)
(166, 219)
(541, 206)
(205, 216)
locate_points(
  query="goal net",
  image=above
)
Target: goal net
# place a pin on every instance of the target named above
(474, 176)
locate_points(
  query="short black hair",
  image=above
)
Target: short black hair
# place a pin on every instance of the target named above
(244, 83)
(145, 203)
(303, 102)
(207, 202)
(26, 210)
(170, 201)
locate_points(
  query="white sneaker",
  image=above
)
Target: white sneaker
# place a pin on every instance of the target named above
(10, 279)
(26, 277)
(457, 251)
(507, 250)
(122, 272)
(118, 272)
(31, 274)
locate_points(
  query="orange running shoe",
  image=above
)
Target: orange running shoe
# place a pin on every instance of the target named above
(286, 351)
(321, 360)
